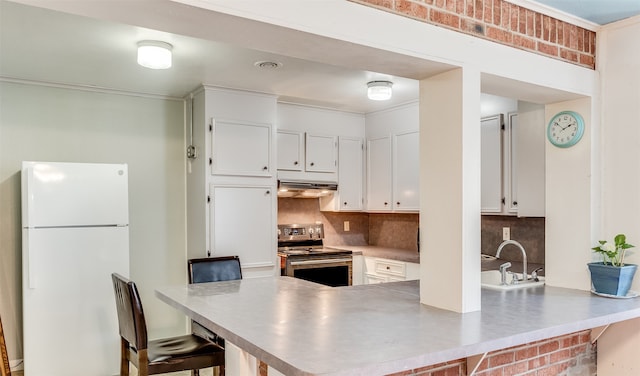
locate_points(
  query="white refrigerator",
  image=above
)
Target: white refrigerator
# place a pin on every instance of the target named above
(75, 233)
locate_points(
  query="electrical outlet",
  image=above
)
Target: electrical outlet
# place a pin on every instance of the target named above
(506, 233)
(346, 226)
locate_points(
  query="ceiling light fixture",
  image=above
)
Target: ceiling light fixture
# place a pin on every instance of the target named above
(379, 90)
(154, 54)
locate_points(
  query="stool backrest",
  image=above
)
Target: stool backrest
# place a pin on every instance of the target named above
(131, 321)
(214, 269)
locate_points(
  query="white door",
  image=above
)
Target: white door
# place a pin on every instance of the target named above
(406, 170)
(68, 299)
(240, 148)
(242, 225)
(290, 146)
(320, 153)
(350, 153)
(379, 174)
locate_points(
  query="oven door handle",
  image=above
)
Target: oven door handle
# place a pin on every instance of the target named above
(322, 261)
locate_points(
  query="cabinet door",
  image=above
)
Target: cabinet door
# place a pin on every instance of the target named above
(290, 146)
(511, 164)
(320, 154)
(379, 174)
(406, 171)
(529, 159)
(240, 148)
(491, 164)
(350, 172)
(242, 224)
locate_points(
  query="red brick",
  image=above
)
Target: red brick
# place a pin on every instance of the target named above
(460, 7)
(524, 42)
(493, 372)
(560, 33)
(488, 11)
(522, 20)
(478, 10)
(588, 60)
(573, 41)
(537, 24)
(526, 353)
(497, 12)
(439, 4)
(553, 370)
(531, 23)
(515, 368)
(501, 359)
(443, 18)
(569, 55)
(553, 30)
(470, 9)
(548, 49)
(548, 347)
(498, 35)
(505, 13)
(412, 9)
(558, 356)
(538, 362)
(515, 17)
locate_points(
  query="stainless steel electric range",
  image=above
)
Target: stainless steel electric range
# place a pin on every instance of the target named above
(302, 255)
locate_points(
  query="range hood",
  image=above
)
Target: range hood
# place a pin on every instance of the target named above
(305, 189)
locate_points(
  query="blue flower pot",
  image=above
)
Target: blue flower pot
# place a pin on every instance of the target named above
(611, 280)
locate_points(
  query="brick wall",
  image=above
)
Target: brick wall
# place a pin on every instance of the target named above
(571, 354)
(502, 22)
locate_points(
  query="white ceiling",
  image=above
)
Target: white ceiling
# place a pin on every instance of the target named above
(60, 48)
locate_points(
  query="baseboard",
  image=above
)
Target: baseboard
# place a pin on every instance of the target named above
(16, 365)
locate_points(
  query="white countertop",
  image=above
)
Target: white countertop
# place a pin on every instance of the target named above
(302, 328)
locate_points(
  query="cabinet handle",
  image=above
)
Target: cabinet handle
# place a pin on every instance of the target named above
(398, 203)
(386, 203)
(345, 203)
(388, 267)
(515, 203)
(265, 168)
(311, 164)
(295, 163)
(268, 192)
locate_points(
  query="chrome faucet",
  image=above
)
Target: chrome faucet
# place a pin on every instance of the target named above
(524, 256)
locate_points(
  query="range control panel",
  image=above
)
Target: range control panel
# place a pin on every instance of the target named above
(292, 232)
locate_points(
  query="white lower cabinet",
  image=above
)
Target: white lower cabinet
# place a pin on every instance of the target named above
(242, 224)
(379, 270)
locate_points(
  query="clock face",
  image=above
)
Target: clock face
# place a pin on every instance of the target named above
(565, 129)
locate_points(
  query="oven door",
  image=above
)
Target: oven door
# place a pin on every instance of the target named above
(327, 270)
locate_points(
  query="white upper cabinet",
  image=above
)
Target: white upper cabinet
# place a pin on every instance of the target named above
(393, 160)
(290, 151)
(320, 153)
(350, 177)
(240, 148)
(379, 174)
(406, 171)
(513, 171)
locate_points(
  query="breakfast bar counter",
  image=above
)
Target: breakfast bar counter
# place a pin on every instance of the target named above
(302, 328)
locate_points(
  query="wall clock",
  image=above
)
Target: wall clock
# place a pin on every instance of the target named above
(565, 129)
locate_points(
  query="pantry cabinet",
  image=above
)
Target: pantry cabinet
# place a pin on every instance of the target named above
(379, 174)
(349, 196)
(231, 180)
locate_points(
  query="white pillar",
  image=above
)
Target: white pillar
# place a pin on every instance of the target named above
(450, 190)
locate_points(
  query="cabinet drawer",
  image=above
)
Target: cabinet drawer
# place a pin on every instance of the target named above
(394, 268)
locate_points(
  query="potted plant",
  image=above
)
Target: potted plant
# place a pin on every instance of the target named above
(612, 276)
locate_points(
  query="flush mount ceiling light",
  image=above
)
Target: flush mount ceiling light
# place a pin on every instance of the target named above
(154, 54)
(379, 90)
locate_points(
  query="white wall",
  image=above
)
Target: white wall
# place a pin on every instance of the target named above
(63, 124)
(619, 62)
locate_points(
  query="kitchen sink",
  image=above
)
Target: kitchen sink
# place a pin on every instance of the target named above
(491, 279)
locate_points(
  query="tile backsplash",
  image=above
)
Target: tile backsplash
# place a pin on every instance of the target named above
(399, 230)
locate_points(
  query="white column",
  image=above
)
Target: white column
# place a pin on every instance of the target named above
(450, 190)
